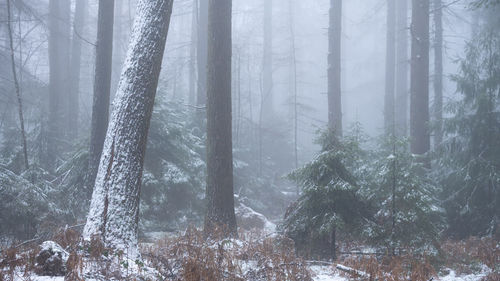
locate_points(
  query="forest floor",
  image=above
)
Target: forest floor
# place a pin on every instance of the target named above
(253, 256)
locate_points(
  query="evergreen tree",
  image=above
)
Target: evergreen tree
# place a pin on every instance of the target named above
(470, 157)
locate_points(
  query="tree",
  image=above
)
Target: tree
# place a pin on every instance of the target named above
(438, 72)
(76, 51)
(201, 97)
(219, 194)
(401, 100)
(469, 158)
(334, 77)
(267, 61)
(419, 84)
(118, 45)
(329, 202)
(59, 32)
(102, 86)
(192, 54)
(114, 210)
(405, 199)
(390, 68)
(17, 87)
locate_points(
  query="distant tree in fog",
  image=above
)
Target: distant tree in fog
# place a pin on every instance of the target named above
(390, 68)
(438, 72)
(419, 101)
(59, 62)
(334, 74)
(76, 52)
(102, 86)
(401, 99)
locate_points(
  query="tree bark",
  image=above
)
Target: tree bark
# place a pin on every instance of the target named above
(401, 112)
(102, 86)
(219, 193)
(390, 69)
(334, 71)
(438, 73)
(114, 211)
(419, 84)
(76, 51)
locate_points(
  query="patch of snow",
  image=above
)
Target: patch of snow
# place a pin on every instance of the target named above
(452, 276)
(325, 273)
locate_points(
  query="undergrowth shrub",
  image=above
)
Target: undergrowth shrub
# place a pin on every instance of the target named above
(393, 268)
(468, 256)
(190, 257)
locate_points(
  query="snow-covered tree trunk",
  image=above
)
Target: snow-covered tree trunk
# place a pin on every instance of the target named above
(114, 211)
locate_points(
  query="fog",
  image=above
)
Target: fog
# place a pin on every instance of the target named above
(339, 125)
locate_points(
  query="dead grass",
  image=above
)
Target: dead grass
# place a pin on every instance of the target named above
(393, 268)
(468, 256)
(192, 258)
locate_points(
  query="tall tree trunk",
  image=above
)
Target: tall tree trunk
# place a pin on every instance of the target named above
(55, 80)
(401, 112)
(293, 62)
(118, 46)
(76, 52)
(201, 98)
(334, 74)
(219, 192)
(114, 211)
(419, 84)
(17, 87)
(102, 86)
(192, 54)
(65, 82)
(267, 62)
(390, 68)
(438, 72)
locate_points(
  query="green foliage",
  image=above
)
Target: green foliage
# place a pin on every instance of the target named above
(329, 198)
(174, 178)
(352, 189)
(405, 197)
(470, 158)
(28, 204)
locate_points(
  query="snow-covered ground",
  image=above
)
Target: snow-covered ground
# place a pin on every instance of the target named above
(319, 273)
(325, 273)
